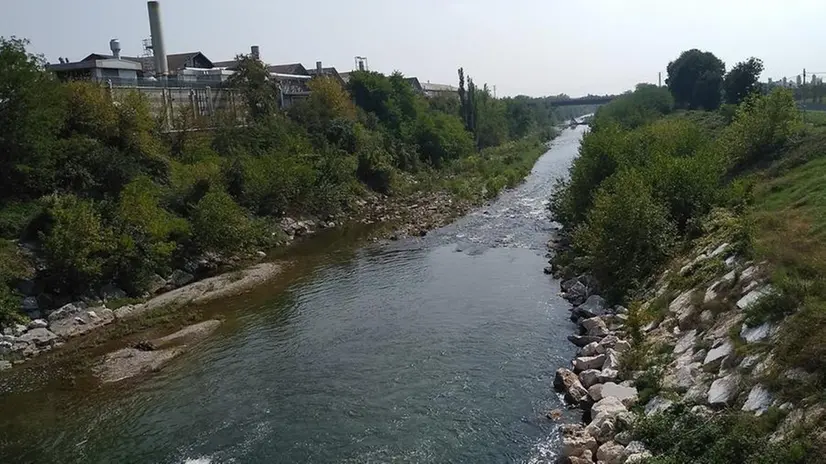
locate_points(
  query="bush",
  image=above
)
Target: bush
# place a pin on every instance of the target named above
(148, 235)
(77, 244)
(646, 104)
(220, 225)
(762, 125)
(680, 436)
(441, 138)
(15, 217)
(627, 234)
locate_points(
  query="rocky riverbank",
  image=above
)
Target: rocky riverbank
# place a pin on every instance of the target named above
(51, 326)
(688, 347)
(596, 382)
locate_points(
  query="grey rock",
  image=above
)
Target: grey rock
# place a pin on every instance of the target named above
(749, 274)
(718, 356)
(626, 395)
(724, 391)
(608, 375)
(686, 342)
(29, 304)
(750, 361)
(38, 337)
(699, 356)
(719, 250)
(681, 303)
(68, 310)
(568, 382)
(731, 261)
(156, 284)
(603, 427)
(657, 405)
(612, 360)
(179, 278)
(38, 324)
(756, 334)
(589, 362)
(682, 377)
(624, 438)
(6, 347)
(566, 285)
(621, 310)
(609, 405)
(583, 340)
(754, 296)
(110, 292)
(611, 453)
(589, 377)
(76, 321)
(622, 346)
(5, 365)
(636, 452)
(577, 293)
(576, 441)
(595, 327)
(758, 401)
(592, 349)
(18, 330)
(594, 306)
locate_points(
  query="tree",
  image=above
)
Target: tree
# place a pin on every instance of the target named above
(696, 80)
(742, 80)
(31, 114)
(253, 80)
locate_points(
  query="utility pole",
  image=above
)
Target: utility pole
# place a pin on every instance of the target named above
(660, 79)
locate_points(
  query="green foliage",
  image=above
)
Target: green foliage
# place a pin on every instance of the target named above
(148, 237)
(627, 233)
(696, 80)
(257, 88)
(742, 80)
(442, 138)
(15, 217)
(77, 244)
(31, 114)
(762, 125)
(646, 104)
(220, 225)
(680, 436)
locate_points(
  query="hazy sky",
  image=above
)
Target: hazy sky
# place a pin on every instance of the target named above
(534, 47)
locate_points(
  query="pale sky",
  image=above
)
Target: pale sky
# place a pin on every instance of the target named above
(533, 47)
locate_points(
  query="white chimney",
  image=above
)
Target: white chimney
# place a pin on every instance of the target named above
(114, 45)
(156, 29)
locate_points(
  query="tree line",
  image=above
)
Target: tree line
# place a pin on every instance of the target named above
(100, 194)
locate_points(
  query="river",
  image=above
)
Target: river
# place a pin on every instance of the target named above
(433, 350)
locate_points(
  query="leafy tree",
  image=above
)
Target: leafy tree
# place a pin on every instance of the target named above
(742, 80)
(31, 115)
(627, 234)
(762, 124)
(220, 225)
(696, 80)
(77, 244)
(259, 91)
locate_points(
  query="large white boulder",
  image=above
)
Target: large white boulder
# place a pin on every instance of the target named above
(759, 400)
(724, 391)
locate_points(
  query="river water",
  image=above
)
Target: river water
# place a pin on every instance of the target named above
(432, 350)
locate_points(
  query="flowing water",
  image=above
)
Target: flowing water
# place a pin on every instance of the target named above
(431, 350)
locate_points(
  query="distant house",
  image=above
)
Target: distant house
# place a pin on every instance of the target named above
(414, 82)
(433, 90)
(97, 68)
(294, 69)
(330, 72)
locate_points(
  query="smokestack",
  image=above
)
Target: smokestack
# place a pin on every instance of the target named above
(114, 45)
(158, 48)
(255, 51)
(318, 67)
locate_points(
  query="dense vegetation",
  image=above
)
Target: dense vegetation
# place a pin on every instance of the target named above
(99, 193)
(655, 174)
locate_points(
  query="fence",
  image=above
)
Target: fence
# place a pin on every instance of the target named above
(170, 103)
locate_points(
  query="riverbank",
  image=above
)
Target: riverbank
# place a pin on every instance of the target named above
(412, 214)
(716, 248)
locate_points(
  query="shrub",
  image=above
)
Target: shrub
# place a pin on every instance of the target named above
(627, 234)
(15, 216)
(77, 244)
(762, 125)
(220, 225)
(149, 235)
(441, 138)
(647, 103)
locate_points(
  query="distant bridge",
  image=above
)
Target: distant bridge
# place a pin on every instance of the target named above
(582, 101)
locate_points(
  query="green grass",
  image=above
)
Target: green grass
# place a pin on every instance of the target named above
(815, 118)
(790, 218)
